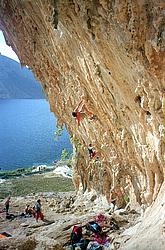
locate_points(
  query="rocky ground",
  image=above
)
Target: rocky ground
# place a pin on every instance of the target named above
(62, 211)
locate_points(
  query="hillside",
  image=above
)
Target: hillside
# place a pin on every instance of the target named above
(17, 82)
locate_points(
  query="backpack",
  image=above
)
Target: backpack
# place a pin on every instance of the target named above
(76, 234)
(94, 246)
(93, 226)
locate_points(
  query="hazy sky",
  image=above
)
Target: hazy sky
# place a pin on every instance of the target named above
(6, 50)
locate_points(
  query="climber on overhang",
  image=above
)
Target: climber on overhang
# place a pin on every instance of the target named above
(91, 150)
(81, 111)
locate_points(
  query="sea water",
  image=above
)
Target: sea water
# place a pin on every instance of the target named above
(27, 137)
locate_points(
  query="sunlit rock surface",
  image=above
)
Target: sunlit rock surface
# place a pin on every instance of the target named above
(111, 54)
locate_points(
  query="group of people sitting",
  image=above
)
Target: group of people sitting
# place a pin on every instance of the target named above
(34, 211)
(94, 237)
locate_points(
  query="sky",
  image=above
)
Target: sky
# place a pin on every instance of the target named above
(6, 50)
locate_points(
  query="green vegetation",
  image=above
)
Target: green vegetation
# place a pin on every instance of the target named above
(67, 157)
(97, 70)
(35, 184)
(76, 142)
(15, 173)
(65, 154)
(58, 133)
(126, 198)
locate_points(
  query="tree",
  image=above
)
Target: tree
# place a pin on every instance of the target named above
(58, 133)
(65, 154)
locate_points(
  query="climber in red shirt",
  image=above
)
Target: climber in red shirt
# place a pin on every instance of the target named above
(81, 111)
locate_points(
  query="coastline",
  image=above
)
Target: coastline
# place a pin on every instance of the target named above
(38, 169)
(29, 181)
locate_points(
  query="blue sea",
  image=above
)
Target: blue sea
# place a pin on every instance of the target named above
(27, 134)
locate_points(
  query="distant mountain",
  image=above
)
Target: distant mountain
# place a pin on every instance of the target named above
(17, 82)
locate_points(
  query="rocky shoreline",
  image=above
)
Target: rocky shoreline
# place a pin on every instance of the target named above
(38, 169)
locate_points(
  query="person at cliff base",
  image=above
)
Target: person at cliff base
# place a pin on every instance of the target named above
(7, 204)
(38, 211)
(100, 239)
(28, 211)
(105, 222)
(4, 235)
(77, 241)
(117, 199)
(81, 111)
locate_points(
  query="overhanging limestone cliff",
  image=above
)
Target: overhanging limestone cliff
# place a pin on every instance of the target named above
(111, 54)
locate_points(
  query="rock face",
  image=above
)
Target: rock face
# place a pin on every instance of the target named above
(111, 55)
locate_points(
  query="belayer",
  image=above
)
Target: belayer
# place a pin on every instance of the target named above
(38, 212)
